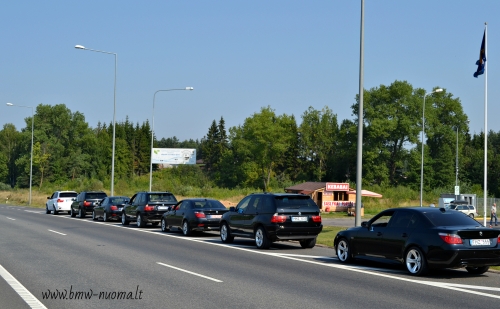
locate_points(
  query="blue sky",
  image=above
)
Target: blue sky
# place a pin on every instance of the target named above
(239, 56)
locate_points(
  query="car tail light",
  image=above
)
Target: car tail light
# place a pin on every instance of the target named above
(278, 219)
(85, 203)
(113, 207)
(60, 200)
(498, 239)
(452, 239)
(199, 214)
(316, 219)
(149, 208)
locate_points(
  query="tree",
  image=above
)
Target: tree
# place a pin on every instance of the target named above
(9, 141)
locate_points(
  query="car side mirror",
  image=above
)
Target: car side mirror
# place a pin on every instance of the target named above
(364, 224)
(232, 208)
(48, 197)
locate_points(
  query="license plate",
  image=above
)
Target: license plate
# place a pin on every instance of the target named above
(214, 216)
(479, 242)
(162, 207)
(299, 219)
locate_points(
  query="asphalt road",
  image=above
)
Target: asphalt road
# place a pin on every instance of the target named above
(92, 260)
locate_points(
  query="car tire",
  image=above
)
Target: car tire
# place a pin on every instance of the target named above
(415, 261)
(261, 240)
(81, 214)
(54, 211)
(93, 216)
(47, 211)
(140, 221)
(225, 234)
(72, 213)
(186, 230)
(125, 221)
(477, 270)
(343, 250)
(105, 217)
(471, 215)
(308, 243)
(164, 226)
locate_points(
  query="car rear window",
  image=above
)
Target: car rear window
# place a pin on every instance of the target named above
(295, 202)
(209, 204)
(68, 194)
(119, 200)
(162, 197)
(450, 218)
(95, 196)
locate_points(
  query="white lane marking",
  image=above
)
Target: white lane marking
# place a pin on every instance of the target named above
(10, 218)
(29, 298)
(190, 272)
(360, 269)
(57, 232)
(35, 212)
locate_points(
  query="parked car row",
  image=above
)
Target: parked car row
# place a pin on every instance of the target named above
(264, 217)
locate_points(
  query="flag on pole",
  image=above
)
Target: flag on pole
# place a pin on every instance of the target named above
(482, 57)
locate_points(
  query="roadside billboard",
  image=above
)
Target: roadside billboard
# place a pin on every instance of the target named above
(173, 156)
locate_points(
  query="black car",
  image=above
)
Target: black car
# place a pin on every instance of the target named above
(110, 208)
(196, 214)
(270, 217)
(85, 202)
(147, 207)
(422, 238)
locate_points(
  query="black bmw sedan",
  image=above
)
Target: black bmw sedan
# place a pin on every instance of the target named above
(195, 214)
(422, 238)
(110, 208)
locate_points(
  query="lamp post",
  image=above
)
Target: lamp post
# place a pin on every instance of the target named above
(152, 133)
(31, 160)
(422, 162)
(114, 113)
(456, 164)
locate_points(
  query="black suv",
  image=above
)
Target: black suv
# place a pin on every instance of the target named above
(147, 207)
(85, 202)
(270, 217)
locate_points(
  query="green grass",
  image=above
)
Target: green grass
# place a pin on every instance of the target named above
(328, 234)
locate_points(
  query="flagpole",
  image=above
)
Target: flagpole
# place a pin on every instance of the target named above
(485, 122)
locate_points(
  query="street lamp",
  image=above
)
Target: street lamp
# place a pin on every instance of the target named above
(152, 133)
(114, 113)
(423, 129)
(31, 160)
(456, 164)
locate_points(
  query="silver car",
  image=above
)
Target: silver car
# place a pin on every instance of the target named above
(59, 201)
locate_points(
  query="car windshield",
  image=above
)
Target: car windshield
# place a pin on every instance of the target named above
(162, 197)
(450, 218)
(209, 204)
(68, 194)
(96, 196)
(302, 202)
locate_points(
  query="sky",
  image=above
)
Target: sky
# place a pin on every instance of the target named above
(239, 56)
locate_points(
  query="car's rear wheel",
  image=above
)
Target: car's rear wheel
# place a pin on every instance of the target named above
(471, 215)
(105, 217)
(343, 250)
(125, 221)
(81, 214)
(415, 262)
(47, 211)
(72, 213)
(308, 243)
(186, 230)
(54, 211)
(225, 234)
(261, 240)
(477, 270)
(140, 221)
(164, 226)
(94, 216)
